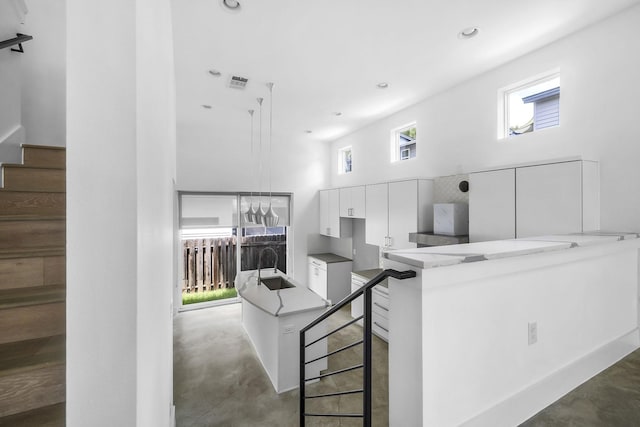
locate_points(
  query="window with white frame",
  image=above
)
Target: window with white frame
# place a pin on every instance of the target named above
(403, 142)
(345, 158)
(530, 105)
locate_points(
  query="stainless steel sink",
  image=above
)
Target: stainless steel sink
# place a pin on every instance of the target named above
(277, 282)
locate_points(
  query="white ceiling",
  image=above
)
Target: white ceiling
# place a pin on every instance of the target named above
(327, 56)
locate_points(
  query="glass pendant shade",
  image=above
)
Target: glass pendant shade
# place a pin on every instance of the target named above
(270, 218)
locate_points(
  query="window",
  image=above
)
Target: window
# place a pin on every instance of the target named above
(344, 160)
(217, 241)
(403, 143)
(530, 106)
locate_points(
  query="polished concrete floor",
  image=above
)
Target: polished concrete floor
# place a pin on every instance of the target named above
(610, 399)
(218, 381)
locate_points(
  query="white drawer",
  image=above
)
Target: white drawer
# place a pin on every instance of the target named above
(380, 326)
(380, 303)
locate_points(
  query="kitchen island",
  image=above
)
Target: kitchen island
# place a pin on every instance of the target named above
(489, 333)
(273, 319)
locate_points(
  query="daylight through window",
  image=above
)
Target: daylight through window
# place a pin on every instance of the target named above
(532, 106)
(345, 160)
(403, 143)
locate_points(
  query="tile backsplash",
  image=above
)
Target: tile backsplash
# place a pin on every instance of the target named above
(446, 189)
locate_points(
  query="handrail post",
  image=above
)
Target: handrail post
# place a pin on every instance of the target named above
(366, 356)
(302, 379)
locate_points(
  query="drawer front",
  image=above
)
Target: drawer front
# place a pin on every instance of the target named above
(380, 326)
(380, 304)
(357, 305)
(315, 262)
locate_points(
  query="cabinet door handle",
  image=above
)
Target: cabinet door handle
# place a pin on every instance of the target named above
(381, 327)
(381, 306)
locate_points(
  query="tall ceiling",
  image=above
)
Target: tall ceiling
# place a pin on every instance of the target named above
(326, 57)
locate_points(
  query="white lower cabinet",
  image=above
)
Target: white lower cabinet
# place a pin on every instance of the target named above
(379, 306)
(329, 278)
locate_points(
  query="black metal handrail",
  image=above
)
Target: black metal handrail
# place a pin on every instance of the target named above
(18, 40)
(364, 291)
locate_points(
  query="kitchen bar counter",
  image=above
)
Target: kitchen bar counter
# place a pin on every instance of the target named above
(490, 333)
(329, 258)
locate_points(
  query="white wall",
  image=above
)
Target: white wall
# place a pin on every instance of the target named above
(457, 129)
(11, 135)
(208, 163)
(43, 73)
(156, 164)
(120, 163)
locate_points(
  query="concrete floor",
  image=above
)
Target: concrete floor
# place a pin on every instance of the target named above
(218, 381)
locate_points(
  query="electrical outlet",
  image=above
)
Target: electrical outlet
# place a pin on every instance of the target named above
(354, 251)
(533, 333)
(288, 329)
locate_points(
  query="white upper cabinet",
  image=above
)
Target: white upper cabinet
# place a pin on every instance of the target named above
(396, 209)
(492, 205)
(553, 198)
(330, 224)
(377, 208)
(352, 202)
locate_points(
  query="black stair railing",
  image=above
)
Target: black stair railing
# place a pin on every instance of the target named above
(18, 40)
(366, 389)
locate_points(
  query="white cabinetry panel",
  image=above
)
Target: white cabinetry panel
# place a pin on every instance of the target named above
(352, 202)
(549, 199)
(377, 214)
(330, 224)
(403, 213)
(492, 201)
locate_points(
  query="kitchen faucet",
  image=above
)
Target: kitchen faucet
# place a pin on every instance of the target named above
(275, 264)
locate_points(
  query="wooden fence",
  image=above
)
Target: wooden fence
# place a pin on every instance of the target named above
(252, 245)
(210, 264)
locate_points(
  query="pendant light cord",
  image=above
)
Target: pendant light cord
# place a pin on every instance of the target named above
(270, 135)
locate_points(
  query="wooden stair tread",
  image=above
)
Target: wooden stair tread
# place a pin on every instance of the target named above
(31, 354)
(47, 416)
(22, 297)
(35, 252)
(45, 147)
(23, 166)
(32, 217)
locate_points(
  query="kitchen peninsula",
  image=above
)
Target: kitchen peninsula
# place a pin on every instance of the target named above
(489, 333)
(273, 319)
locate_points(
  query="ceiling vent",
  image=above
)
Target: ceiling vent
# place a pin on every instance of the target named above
(237, 82)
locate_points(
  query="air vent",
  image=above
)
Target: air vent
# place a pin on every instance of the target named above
(237, 82)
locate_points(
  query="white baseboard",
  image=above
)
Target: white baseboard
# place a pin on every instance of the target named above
(523, 405)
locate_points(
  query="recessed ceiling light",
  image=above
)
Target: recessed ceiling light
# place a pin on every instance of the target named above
(206, 106)
(337, 113)
(215, 73)
(308, 131)
(467, 33)
(383, 85)
(231, 4)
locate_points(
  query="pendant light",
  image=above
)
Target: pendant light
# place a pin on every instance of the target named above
(259, 212)
(249, 215)
(270, 217)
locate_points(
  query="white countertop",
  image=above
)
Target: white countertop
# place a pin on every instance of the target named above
(280, 302)
(441, 256)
